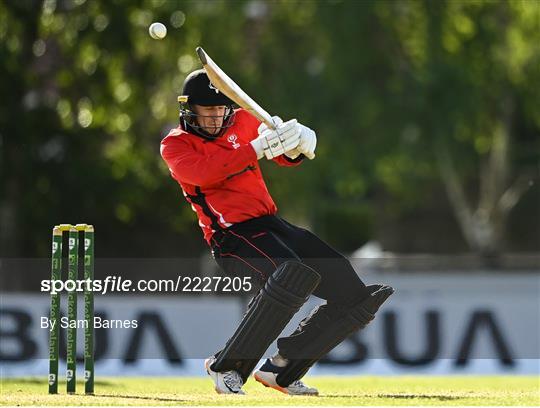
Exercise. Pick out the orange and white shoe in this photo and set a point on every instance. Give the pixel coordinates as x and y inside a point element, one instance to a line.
<point>267,375</point>
<point>226,382</point>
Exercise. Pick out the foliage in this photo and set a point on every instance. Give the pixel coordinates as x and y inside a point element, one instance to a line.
<point>387,85</point>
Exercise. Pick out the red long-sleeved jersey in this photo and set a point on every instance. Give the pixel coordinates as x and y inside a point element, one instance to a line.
<point>221,178</point>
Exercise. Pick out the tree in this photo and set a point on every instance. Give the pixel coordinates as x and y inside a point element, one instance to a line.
<point>479,63</point>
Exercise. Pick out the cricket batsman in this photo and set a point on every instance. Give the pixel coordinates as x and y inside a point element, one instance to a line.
<point>214,155</point>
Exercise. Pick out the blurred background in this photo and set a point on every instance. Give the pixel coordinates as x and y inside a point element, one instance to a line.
<point>427,113</point>
<point>428,122</point>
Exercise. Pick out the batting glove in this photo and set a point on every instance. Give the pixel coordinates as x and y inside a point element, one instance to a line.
<point>263,126</point>
<point>273,143</point>
<point>307,143</point>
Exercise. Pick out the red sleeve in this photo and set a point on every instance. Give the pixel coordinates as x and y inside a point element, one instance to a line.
<point>287,161</point>
<point>200,169</point>
<point>249,122</point>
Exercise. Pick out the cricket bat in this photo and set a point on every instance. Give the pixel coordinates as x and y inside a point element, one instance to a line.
<point>229,88</point>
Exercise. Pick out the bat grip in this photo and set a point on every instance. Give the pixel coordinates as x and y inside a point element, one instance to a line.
<point>270,124</point>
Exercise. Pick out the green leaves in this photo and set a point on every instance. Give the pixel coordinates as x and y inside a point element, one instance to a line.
<point>384,84</point>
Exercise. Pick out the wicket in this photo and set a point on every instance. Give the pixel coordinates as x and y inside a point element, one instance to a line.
<point>74,233</point>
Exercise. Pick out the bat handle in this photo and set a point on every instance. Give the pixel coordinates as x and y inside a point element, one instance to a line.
<point>270,124</point>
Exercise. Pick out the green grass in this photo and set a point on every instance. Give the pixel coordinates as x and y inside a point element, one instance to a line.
<point>334,391</point>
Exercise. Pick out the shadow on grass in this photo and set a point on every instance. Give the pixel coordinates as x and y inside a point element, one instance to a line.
<point>420,396</point>
<point>23,381</point>
<point>396,396</point>
<point>38,380</point>
<point>35,381</point>
<point>138,397</point>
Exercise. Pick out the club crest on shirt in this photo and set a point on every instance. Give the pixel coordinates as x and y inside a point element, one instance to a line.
<point>232,139</point>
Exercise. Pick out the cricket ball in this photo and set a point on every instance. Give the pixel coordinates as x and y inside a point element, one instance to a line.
<point>157,31</point>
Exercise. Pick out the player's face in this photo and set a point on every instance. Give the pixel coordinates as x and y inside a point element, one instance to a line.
<point>210,117</point>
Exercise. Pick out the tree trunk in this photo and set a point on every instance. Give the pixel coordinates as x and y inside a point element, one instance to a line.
<point>484,226</point>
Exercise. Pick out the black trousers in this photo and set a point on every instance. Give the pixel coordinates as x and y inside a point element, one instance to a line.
<point>256,247</point>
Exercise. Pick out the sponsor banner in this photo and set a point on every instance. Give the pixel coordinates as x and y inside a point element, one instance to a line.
<point>195,367</point>
<point>434,324</point>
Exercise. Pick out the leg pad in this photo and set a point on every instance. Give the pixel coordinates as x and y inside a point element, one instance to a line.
<point>326,327</point>
<point>282,296</point>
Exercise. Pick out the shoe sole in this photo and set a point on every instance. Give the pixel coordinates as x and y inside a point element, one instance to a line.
<point>281,389</point>
<point>206,366</point>
<point>275,387</point>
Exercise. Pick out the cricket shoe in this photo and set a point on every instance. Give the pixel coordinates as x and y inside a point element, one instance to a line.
<point>268,373</point>
<point>227,382</point>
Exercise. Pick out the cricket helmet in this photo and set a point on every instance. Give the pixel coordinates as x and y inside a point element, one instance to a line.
<point>198,90</point>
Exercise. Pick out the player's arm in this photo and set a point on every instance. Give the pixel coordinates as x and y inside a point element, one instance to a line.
<point>307,142</point>
<point>286,161</point>
<point>287,152</point>
<point>306,145</point>
<point>273,144</point>
<point>290,158</point>
<point>200,169</point>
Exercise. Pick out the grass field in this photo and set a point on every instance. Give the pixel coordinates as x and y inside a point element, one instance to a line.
<point>334,391</point>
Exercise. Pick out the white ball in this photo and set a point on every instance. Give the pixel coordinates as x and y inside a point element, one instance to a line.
<point>157,31</point>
